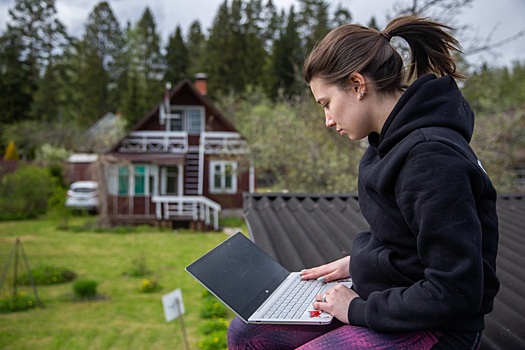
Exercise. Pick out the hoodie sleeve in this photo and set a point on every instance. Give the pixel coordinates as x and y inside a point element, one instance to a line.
<point>436,193</point>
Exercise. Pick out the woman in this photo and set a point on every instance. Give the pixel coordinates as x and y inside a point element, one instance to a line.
<point>424,275</point>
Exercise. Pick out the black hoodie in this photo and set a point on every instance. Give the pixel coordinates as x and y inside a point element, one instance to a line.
<point>428,261</point>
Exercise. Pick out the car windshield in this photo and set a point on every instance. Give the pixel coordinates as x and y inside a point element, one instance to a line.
<point>84,190</point>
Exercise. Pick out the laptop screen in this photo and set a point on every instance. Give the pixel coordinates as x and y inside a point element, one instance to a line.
<point>239,273</point>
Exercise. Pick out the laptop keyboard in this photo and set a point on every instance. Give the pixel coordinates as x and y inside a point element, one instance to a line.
<point>294,301</point>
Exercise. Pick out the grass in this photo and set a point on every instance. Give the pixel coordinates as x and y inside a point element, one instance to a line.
<point>122,317</point>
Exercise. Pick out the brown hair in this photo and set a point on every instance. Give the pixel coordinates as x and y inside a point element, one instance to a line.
<point>352,48</point>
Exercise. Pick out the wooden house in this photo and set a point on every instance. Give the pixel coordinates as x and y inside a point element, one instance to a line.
<point>183,163</point>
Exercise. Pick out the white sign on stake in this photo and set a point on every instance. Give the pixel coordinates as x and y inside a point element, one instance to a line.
<point>173,305</point>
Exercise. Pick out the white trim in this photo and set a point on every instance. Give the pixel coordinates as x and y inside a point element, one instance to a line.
<point>222,189</point>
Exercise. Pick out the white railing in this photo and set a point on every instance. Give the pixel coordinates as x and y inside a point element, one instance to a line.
<point>155,141</point>
<point>199,208</point>
<point>223,142</point>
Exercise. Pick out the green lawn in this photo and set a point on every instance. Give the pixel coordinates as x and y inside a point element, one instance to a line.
<point>123,318</point>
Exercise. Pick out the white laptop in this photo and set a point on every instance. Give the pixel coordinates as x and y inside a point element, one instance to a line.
<point>252,284</point>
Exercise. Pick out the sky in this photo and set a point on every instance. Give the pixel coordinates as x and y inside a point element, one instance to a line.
<point>486,18</point>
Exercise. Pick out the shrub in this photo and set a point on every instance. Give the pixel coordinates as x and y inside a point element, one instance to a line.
<point>85,289</point>
<point>140,268</point>
<point>24,193</point>
<point>211,307</point>
<point>20,301</point>
<point>213,325</point>
<point>214,341</point>
<point>48,275</point>
<point>149,286</point>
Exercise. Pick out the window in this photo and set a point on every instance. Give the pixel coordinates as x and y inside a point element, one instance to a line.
<point>190,119</point>
<point>123,180</point>
<point>194,118</point>
<point>136,180</point>
<point>172,180</point>
<point>223,177</point>
<point>140,179</point>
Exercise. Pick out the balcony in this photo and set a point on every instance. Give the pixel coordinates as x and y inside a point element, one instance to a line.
<point>177,142</point>
<point>223,142</point>
<point>155,142</point>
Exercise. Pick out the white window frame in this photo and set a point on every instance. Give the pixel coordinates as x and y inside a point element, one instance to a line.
<point>164,177</point>
<point>222,189</point>
<point>150,171</point>
<point>175,113</point>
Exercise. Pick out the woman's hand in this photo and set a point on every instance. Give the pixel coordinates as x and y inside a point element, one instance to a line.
<point>336,301</point>
<point>330,272</point>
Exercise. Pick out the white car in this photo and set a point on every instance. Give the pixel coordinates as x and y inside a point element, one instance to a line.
<point>83,195</point>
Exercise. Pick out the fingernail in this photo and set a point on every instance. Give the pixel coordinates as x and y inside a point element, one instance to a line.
<point>321,279</point>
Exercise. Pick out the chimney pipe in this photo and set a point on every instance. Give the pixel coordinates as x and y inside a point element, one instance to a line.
<point>201,83</point>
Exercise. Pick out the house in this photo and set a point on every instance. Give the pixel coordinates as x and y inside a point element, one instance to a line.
<point>182,164</point>
<point>305,230</point>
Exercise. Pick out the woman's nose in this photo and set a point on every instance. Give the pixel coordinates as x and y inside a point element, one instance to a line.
<point>329,122</point>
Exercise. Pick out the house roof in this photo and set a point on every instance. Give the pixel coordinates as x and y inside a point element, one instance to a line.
<point>154,112</point>
<point>305,230</point>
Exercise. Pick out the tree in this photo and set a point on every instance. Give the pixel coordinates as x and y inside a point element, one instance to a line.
<point>43,35</point>
<point>287,60</point>
<point>177,58</point>
<point>15,81</point>
<point>102,45</point>
<point>145,68</point>
<point>196,45</point>
<point>11,152</point>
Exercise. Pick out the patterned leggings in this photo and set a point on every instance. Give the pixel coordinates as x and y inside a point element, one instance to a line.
<point>338,336</point>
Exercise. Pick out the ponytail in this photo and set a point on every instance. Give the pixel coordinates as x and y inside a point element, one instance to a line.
<point>352,48</point>
<point>430,46</point>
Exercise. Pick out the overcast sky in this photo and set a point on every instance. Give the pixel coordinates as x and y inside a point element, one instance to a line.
<point>499,19</point>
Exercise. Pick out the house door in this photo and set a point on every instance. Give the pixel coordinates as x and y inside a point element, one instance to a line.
<point>171,181</point>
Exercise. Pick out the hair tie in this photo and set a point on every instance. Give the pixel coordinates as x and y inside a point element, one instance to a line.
<point>385,35</point>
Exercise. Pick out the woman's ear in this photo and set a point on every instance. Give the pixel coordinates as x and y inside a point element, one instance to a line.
<point>357,81</point>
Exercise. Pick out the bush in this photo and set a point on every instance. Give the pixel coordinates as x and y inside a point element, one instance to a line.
<point>214,341</point>
<point>20,301</point>
<point>149,286</point>
<point>211,307</point>
<point>85,289</point>
<point>45,275</point>
<point>24,193</point>
<point>139,269</point>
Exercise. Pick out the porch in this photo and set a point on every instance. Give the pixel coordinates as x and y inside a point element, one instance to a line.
<point>195,208</point>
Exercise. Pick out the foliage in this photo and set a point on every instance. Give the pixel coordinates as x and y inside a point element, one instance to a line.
<point>215,326</point>
<point>211,307</point>
<point>45,275</point>
<point>149,286</point>
<point>140,268</point>
<point>24,193</point>
<point>21,301</point>
<point>85,289</point>
<point>49,154</point>
<point>303,155</point>
<point>11,152</point>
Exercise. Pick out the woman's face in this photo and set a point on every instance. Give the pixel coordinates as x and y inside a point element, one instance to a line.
<point>344,109</point>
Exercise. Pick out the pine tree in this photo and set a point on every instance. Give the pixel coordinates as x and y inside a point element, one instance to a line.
<point>11,153</point>
<point>196,45</point>
<point>177,58</point>
<point>15,82</point>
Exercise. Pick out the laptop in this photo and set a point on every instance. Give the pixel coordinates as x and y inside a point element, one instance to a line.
<point>251,284</point>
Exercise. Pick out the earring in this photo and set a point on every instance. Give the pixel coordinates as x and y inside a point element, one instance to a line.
<point>362,94</point>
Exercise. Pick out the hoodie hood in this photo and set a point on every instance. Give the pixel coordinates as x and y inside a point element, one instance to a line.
<point>428,102</point>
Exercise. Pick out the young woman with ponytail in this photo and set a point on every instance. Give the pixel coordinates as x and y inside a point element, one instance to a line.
<point>424,274</point>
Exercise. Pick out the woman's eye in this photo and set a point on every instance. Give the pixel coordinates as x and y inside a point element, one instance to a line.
<point>325,106</point>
